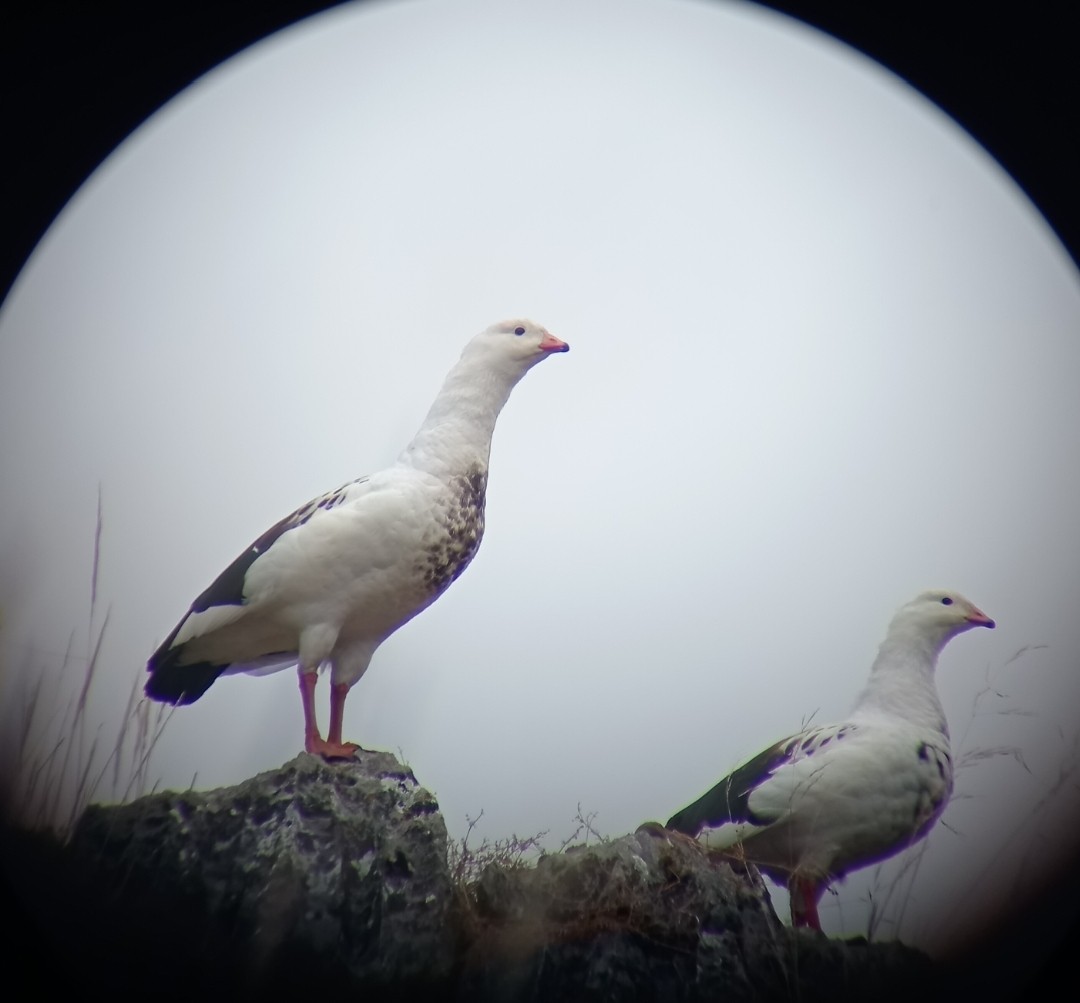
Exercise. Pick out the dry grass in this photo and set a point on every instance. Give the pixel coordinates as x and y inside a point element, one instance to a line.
<point>467,862</point>
<point>513,852</point>
<point>56,762</point>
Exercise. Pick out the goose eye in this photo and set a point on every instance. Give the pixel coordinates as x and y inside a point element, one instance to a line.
<point>519,330</point>
<point>946,601</point>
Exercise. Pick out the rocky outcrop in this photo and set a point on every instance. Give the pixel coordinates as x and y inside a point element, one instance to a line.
<point>649,917</point>
<point>321,878</point>
<point>312,877</point>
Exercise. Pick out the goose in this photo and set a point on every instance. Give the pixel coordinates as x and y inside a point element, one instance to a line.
<point>833,798</point>
<point>329,583</point>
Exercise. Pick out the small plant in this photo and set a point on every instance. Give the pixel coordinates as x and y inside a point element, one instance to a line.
<point>468,863</point>
<point>513,852</point>
<point>585,826</point>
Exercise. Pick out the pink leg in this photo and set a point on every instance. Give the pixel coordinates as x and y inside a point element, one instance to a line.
<point>333,747</point>
<point>312,738</point>
<point>804,899</point>
<point>338,692</point>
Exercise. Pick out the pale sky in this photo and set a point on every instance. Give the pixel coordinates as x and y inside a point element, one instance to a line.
<point>823,355</point>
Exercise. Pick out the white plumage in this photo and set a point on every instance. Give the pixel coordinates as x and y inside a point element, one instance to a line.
<point>330,582</point>
<point>831,799</point>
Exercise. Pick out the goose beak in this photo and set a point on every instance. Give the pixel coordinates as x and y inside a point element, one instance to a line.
<point>978,618</point>
<point>549,343</point>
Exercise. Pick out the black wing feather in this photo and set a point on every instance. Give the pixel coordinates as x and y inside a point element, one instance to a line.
<point>172,682</point>
<point>728,800</point>
<point>228,588</point>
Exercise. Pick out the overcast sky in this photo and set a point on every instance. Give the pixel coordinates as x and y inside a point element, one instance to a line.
<point>823,355</point>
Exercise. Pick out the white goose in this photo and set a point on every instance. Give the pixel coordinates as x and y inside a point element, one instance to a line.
<point>831,799</point>
<point>329,583</point>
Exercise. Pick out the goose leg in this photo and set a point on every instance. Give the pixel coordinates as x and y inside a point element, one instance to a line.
<point>804,900</point>
<point>338,692</point>
<point>332,748</point>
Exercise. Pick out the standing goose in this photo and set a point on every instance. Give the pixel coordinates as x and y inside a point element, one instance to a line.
<point>836,798</point>
<point>329,583</point>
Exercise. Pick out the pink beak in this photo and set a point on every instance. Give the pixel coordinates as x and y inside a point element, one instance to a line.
<point>549,343</point>
<point>979,618</point>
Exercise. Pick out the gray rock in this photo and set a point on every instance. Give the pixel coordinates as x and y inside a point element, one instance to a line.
<point>313,875</point>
